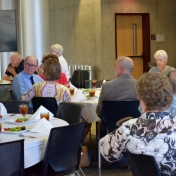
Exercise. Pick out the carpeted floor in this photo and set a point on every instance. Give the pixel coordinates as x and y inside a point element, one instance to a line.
<point>105,169</point>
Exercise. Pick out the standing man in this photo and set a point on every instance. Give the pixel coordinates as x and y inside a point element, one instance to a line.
<point>25,79</point>
<point>122,88</point>
<point>58,50</point>
<point>16,66</point>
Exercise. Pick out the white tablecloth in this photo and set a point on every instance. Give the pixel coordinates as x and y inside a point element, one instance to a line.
<point>89,109</point>
<point>34,148</point>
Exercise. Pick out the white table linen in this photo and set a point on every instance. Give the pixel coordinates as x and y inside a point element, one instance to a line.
<point>34,148</point>
<point>89,109</point>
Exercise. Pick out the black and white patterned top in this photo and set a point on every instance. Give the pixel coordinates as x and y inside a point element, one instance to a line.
<point>151,134</point>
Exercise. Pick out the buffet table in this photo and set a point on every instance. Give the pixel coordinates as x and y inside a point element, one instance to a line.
<point>34,148</point>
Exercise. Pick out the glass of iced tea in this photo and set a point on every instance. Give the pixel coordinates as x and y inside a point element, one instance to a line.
<point>23,108</point>
<point>45,115</point>
<point>94,83</point>
<point>92,93</point>
<point>71,91</point>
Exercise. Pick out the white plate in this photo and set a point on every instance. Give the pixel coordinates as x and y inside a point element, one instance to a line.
<point>15,132</point>
<point>4,117</point>
<point>22,123</point>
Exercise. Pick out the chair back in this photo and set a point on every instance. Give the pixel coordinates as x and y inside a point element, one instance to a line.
<point>63,149</point>
<point>112,111</point>
<point>49,103</point>
<point>13,105</point>
<point>143,165</point>
<point>88,83</point>
<point>4,92</point>
<point>79,77</point>
<point>70,112</point>
<point>12,158</point>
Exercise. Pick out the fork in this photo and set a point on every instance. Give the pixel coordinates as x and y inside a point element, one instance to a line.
<point>21,135</point>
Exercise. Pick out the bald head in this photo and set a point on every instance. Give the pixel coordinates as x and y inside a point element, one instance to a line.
<point>123,65</point>
<point>30,64</point>
<point>15,59</point>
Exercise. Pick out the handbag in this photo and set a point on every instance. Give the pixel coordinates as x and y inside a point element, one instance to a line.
<point>85,158</point>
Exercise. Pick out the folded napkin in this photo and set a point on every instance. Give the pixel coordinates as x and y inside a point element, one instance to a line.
<point>104,81</point>
<point>43,126</point>
<point>78,96</point>
<point>3,110</point>
<point>41,109</point>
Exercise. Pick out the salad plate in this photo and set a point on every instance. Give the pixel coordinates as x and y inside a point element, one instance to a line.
<point>14,132</point>
<point>3,117</point>
<point>21,122</point>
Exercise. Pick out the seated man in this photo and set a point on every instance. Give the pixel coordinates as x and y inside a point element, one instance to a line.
<point>172,79</point>
<point>25,79</point>
<point>16,66</point>
<point>122,88</point>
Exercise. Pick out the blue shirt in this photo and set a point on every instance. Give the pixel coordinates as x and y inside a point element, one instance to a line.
<point>172,108</point>
<point>22,83</point>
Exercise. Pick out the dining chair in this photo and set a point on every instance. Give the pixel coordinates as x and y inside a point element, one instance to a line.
<point>63,152</point>
<point>4,92</point>
<point>88,83</point>
<point>49,103</point>
<point>70,112</point>
<point>143,165</point>
<point>12,158</point>
<point>13,106</point>
<point>112,111</point>
<point>79,77</point>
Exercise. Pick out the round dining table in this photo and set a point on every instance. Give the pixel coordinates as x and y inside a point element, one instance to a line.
<point>34,147</point>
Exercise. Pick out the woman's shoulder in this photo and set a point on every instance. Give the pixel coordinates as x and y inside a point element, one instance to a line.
<point>154,69</point>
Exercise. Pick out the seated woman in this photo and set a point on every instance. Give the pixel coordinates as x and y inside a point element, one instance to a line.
<point>62,80</point>
<point>50,87</point>
<point>153,133</point>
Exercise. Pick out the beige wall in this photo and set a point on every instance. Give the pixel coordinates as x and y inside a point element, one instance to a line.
<point>86,29</point>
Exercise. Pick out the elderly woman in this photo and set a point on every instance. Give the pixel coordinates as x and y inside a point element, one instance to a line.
<point>50,87</point>
<point>161,59</point>
<point>153,133</point>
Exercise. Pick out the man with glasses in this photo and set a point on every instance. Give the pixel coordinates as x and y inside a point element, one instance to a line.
<point>25,79</point>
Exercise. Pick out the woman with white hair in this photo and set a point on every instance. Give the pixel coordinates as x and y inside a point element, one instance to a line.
<point>161,59</point>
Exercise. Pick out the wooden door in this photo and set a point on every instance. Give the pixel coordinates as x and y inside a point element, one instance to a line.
<point>129,40</point>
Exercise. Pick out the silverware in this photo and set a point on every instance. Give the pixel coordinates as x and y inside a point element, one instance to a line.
<point>12,114</point>
<point>21,135</point>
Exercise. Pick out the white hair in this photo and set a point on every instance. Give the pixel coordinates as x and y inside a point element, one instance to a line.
<point>58,48</point>
<point>161,53</point>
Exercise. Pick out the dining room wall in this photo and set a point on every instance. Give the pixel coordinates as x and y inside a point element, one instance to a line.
<point>86,29</point>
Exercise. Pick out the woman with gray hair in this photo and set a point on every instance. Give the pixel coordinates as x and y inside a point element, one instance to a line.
<point>161,59</point>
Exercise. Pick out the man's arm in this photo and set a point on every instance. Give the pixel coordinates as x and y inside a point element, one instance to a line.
<point>99,106</point>
<point>6,77</point>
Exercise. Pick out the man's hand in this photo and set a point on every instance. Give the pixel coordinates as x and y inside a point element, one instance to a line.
<point>11,70</point>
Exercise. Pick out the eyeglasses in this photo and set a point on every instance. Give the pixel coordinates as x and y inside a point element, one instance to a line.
<point>29,65</point>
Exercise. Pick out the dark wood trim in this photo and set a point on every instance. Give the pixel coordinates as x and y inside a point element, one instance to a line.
<point>145,35</point>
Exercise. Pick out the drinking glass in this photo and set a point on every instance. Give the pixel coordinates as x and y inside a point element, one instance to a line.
<point>0,127</point>
<point>71,91</point>
<point>44,115</point>
<point>92,93</point>
<point>94,83</point>
<point>23,108</point>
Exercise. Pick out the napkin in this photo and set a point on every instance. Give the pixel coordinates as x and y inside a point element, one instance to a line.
<point>104,81</point>
<point>78,96</point>
<point>41,109</point>
<point>3,110</point>
<point>43,126</point>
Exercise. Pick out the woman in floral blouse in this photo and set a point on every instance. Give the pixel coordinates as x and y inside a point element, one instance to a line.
<point>153,133</point>
<point>50,87</point>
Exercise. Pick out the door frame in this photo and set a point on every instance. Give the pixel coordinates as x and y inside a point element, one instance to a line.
<point>145,37</point>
